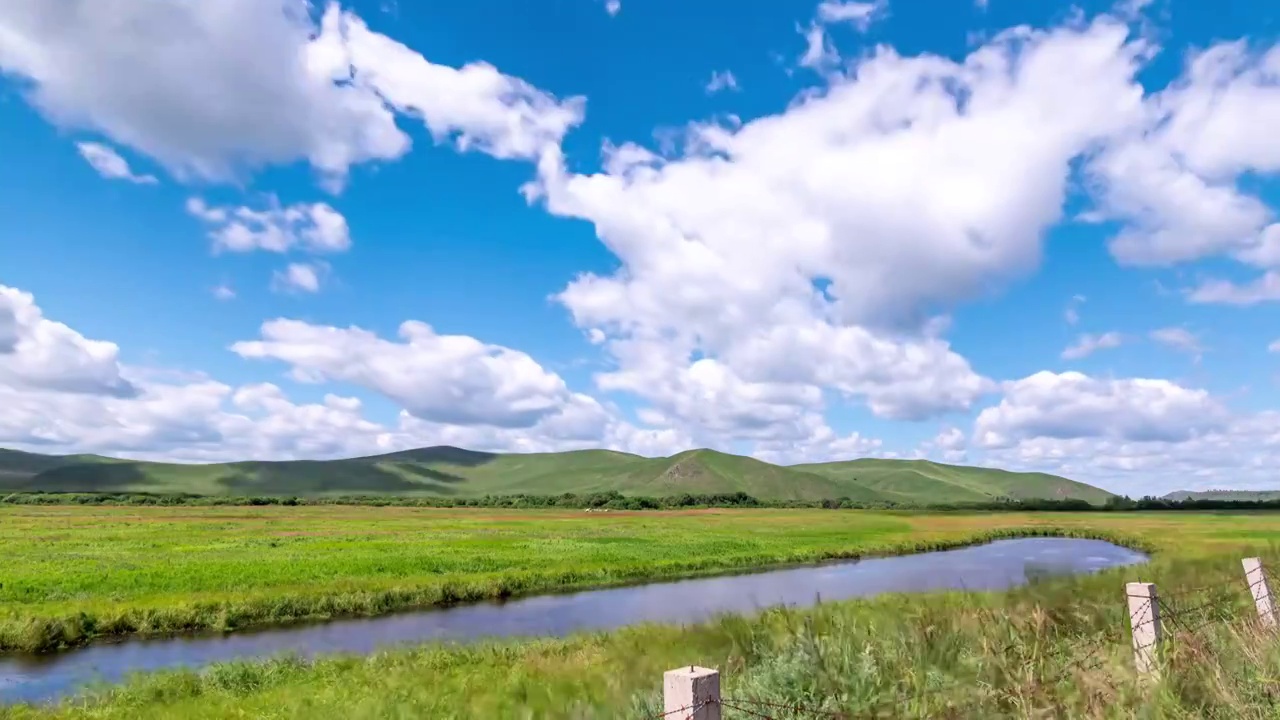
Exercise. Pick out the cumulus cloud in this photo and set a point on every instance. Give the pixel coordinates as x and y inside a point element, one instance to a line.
<point>1071,405</point>
<point>224,292</point>
<point>1273,347</point>
<point>39,354</point>
<point>64,393</point>
<point>300,277</point>
<point>440,378</point>
<point>1172,178</point>
<point>110,165</point>
<point>809,249</point>
<point>187,84</point>
<point>818,442</point>
<point>314,227</point>
<point>1225,292</point>
<point>950,445</point>
<point>1241,453</point>
<point>1087,344</point>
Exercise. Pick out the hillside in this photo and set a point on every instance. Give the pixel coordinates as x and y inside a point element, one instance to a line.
<point>925,480</point>
<point>1225,495</point>
<point>449,471</point>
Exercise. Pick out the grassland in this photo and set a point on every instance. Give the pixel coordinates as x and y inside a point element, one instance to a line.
<point>1016,654</point>
<point>74,573</point>
<point>453,472</point>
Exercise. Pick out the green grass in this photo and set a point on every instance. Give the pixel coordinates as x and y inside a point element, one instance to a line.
<point>1057,648</point>
<point>452,472</point>
<point>73,573</point>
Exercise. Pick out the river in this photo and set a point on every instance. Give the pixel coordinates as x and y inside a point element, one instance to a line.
<point>992,566</point>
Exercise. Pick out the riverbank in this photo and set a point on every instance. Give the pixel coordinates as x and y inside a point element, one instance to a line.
<point>76,574</point>
<point>1058,648</point>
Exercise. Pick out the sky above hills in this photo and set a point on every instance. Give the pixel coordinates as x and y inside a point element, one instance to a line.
<point>1026,234</point>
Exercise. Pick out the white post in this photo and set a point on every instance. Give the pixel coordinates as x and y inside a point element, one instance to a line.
<point>1257,579</point>
<point>691,693</point>
<point>1144,617</point>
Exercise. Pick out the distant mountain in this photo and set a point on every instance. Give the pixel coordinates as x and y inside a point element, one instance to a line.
<point>1225,495</point>
<point>451,471</point>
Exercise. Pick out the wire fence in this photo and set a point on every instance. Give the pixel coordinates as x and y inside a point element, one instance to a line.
<point>1155,619</point>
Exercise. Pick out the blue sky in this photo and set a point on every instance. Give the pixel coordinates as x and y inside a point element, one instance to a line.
<point>1034,235</point>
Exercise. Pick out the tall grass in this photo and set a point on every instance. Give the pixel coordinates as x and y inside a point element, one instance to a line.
<point>1056,648</point>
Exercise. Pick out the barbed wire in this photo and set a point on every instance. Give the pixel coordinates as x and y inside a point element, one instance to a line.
<point>690,709</point>
<point>1165,608</point>
<point>793,707</point>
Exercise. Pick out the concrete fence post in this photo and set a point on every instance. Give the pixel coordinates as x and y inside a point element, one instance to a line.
<point>691,693</point>
<point>1256,576</point>
<point>1144,618</point>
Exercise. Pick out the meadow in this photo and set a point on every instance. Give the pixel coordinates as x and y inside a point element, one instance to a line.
<point>75,572</point>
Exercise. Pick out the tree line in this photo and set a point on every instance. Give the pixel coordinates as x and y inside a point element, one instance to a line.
<point>617,501</point>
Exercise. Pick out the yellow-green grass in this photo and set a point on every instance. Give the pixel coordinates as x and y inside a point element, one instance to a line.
<point>73,573</point>
<point>1057,648</point>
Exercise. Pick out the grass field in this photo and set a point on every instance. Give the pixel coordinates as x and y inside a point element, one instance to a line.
<point>72,573</point>
<point>453,472</point>
<point>943,655</point>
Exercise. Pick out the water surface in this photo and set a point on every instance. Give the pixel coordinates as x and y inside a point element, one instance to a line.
<point>993,566</point>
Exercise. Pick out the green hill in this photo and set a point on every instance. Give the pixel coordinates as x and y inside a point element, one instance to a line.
<point>928,481</point>
<point>450,471</point>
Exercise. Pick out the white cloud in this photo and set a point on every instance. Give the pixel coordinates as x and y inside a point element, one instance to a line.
<point>949,445</point>
<point>1173,177</point>
<point>804,252</point>
<point>300,277</point>
<point>315,227</point>
<point>818,443</point>
<point>188,85</point>
<point>721,80</point>
<point>110,165</point>
<point>1225,292</point>
<point>819,52</point>
<point>1070,405</point>
<point>452,379</point>
<point>1274,347</point>
<point>1087,344</point>
<point>860,15</point>
<point>39,354</point>
<point>613,7</point>
<point>1179,339</point>
<point>224,292</point>
<point>64,393</point>
<point>1240,454</point>
<point>476,106</point>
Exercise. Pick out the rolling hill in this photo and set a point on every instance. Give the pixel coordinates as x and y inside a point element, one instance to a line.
<point>450,471</point>
<point>917,480</point>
